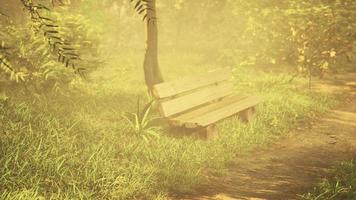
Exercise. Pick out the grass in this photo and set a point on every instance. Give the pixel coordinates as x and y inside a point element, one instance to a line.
<point>341,185</point>
<point>75,145</point>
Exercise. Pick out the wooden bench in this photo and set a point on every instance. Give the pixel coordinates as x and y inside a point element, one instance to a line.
<point>198,102</point>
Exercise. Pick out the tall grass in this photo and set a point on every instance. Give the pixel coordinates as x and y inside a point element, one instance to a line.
<point>76,146</point>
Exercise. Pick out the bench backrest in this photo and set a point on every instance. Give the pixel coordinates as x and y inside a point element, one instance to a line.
<point>190,92</point>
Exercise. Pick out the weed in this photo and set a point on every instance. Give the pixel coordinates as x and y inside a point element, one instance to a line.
<point>140,122</point>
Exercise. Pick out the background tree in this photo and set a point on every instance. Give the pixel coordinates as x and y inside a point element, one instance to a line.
<point>222,33</point>
<point>152,71</point>
<point>147,9</point>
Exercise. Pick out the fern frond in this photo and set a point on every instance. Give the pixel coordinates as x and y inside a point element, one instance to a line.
<point>59,2</point>
<point>1,13</point>
<point>64,51</point>
<point>6,67</point>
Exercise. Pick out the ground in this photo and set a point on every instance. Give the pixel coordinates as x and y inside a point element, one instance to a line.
<point>295,163</point>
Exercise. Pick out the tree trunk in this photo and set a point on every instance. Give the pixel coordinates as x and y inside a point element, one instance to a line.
<point>151,68</point>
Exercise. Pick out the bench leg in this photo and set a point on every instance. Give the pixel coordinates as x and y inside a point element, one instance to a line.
<point>209,132</point>
<point>248,114</point>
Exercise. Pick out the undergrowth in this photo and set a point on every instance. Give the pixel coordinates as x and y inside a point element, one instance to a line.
<point>77,146</point>
<point>341,185</point>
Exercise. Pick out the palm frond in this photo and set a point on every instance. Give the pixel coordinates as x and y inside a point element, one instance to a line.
<point>142,7</point>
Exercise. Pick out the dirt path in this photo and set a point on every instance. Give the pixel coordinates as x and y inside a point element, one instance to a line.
<point>296,162</point>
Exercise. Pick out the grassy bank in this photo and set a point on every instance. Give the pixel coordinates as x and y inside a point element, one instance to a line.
<point>75,145</point>
<point>341,185</point>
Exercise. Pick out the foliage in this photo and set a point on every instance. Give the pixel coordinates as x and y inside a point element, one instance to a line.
<point>5,65</point>
<point>31,58</point>
<point>142,7</point>
<point>340,186</point>
<point>30,55</point>
<point>64,51</point>
<point>314,36</point>
<point>84,35</point>
<point>322,32</point>
<point>310,34</point>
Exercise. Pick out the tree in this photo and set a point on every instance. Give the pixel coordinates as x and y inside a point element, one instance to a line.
<point>152,71</point>
<point>151,68</point>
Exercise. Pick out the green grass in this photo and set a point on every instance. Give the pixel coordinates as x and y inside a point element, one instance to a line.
<point>341,185</point>
<point>75,144</point>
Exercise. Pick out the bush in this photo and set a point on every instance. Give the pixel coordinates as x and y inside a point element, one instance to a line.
<point>28,57</point>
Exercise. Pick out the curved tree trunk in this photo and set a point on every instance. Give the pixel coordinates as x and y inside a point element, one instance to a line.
<point>151,68</point>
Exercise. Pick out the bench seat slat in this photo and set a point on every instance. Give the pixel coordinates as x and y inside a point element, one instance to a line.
<point>181,119</point>
<point>215,112</point>
<point>168,89</point>
<point>189,101</point>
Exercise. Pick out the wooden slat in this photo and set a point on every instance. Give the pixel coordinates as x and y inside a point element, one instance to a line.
<point>186,102</point>
<point>225,111</point>
<point>168,89</point>
<point>181,119</point>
